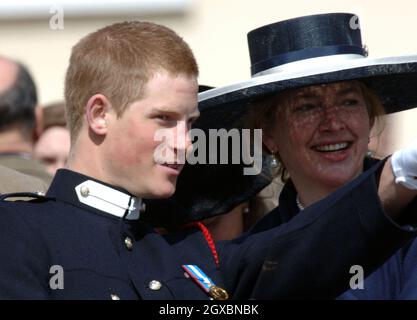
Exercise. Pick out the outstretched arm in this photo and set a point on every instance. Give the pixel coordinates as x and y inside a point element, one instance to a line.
<point>337,240</point>
<point>398,184</point>
<point>311,255</point>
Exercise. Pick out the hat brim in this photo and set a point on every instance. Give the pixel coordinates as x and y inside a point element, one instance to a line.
<point>393,79</point>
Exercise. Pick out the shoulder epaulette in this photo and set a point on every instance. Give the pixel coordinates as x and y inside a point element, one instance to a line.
<point>24,196</point>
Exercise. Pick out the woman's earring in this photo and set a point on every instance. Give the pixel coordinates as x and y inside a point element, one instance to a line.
<point>274,161</point>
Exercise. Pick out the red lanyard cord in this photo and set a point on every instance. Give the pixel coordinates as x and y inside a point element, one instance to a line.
<point>209,239</point>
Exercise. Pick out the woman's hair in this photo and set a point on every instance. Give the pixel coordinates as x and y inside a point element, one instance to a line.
<point>261,115</point>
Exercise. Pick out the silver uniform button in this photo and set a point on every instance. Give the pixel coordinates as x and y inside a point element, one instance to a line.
<point>84,191</point>
<point>114,297</point>
<point>155,285</point>
<point>128,243</point>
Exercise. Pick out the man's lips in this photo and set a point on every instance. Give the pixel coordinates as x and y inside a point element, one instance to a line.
<point>173,166</point>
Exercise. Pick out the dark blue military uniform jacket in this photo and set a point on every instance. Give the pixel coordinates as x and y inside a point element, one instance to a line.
<point>106,257</point>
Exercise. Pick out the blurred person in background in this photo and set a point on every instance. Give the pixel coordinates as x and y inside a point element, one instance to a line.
<point>20,120</point>
<point>12,181</point>
<point>53,146</point>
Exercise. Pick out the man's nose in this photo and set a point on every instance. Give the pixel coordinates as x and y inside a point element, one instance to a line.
<point>182,142</point>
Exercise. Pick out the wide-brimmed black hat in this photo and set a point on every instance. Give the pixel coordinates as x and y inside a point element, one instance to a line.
<point>290,54</point>
<point>306,51</point>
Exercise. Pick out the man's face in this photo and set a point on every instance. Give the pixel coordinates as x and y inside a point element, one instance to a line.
<point>137,159</point>
<point>53,148</point>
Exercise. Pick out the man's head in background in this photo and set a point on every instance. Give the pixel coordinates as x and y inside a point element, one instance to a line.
<point>53,145</point>
<point>20,117</point>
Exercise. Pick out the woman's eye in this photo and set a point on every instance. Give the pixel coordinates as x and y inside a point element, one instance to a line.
<point>305,107</point>
<point>350,102</point>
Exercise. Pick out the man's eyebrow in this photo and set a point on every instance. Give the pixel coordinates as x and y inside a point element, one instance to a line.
<point>163,109</point>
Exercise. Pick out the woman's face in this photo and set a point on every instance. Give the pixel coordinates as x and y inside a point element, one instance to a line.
<point>321,134</point>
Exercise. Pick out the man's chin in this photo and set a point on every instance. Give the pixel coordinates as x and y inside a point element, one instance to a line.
<point>162,192</point>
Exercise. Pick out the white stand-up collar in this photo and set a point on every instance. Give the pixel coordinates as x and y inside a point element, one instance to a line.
<point>109,200</point>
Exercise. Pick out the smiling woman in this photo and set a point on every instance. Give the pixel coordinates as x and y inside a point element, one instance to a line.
<point>319,133</point>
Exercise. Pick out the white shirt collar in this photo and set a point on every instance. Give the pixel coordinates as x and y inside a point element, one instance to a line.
<point>109,200</point>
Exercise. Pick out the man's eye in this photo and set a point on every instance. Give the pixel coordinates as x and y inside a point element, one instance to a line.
<point>49,160</point>
<point>163,117</point>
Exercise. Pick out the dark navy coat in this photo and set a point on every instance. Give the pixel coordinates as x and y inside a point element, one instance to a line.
<point>99,263</point>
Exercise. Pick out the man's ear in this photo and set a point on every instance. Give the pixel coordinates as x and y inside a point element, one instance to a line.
<point>38,123</point>
<point>97,113</point>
